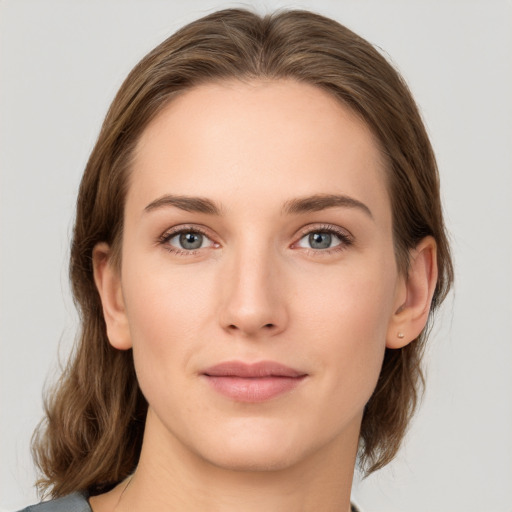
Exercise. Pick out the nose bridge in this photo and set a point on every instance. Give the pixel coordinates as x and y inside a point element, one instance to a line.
<point>253,294</point>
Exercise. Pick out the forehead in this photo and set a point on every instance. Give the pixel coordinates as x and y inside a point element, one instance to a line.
<point>237,139</point>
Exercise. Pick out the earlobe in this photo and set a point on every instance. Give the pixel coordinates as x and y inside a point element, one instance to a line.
<point>411,315</point>
<point>108,283</point>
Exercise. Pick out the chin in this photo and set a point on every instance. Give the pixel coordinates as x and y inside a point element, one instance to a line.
<point>255,449</point>
<point>249,459</point>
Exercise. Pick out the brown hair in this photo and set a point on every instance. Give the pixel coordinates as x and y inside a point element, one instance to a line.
<point>91,438</point>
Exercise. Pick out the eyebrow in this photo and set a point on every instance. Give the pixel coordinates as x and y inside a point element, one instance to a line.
<point>187,203</point>
<point>314,203</point>
<point>320,202</point>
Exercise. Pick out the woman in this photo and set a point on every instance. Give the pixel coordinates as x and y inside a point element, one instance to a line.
<point>258,248</point>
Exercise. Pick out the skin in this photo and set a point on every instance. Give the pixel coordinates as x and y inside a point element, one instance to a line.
<point>256,290</point>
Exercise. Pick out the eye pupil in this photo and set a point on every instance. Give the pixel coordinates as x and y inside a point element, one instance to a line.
<point>191,240</point>
<point>320,240</point>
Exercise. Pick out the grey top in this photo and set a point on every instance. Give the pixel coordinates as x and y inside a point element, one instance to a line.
<point>76,502</point>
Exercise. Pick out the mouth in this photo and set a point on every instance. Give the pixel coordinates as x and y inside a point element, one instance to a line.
<point>255,382</point>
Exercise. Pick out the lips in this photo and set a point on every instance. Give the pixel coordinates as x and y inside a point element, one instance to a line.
<point>256,382</point>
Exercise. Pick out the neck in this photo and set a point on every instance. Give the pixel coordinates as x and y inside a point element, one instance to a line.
<point>169,476</point>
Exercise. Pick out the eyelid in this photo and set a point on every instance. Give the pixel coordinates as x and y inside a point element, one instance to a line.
<point>346,238</point>
<point>170,233</point>
<point>331,228</point>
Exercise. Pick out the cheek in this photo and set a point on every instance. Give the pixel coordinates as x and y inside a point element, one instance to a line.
<point>166,314</point>
<point>346,321</point>
<point>355,301</point>
<point>165,303</point>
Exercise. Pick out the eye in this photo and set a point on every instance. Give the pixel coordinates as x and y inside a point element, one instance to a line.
<point>319,240</point>
<point>325,239</point>
<point>186,240</point>
<point>189,241</point>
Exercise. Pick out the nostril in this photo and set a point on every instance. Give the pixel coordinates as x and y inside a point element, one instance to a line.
<point>233,327</point>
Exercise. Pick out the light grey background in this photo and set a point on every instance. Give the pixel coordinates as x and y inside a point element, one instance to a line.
<point>60,65</point>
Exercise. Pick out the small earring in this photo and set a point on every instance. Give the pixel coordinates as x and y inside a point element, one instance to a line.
<point>400,335</point>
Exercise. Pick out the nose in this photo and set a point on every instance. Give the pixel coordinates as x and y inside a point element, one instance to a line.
<point>253,291</point>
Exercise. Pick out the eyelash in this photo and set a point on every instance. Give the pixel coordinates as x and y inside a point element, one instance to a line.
<point>168,235</point>
<point>346,240</point>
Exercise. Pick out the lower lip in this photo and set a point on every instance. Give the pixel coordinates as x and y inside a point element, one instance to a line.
<point>258,389</point>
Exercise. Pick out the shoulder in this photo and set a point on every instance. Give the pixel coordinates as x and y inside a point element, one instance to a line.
<point>76,502</point>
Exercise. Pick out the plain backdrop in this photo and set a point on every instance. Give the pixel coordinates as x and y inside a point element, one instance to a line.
<point>61,63</point>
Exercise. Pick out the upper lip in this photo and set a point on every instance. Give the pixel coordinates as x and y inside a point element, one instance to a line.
<point>252,370</point>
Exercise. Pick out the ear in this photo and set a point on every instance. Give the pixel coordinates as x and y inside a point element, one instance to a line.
<point>414,295</point>
<point>108,283</point>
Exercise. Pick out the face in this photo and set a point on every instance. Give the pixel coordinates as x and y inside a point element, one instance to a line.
<point>258,278</point>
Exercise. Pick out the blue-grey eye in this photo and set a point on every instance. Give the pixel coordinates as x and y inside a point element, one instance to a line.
<point>319,240</point>
<point>191,241</point>
<point>188,240</point>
